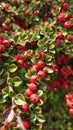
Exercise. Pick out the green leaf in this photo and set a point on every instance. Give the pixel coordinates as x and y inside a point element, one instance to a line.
<point>19,99</point>
<point>17,81</point>
<point>71,21</point>
<point>11,94</point>
<point>1,98</point>
<point>33,118</point>
<point>12,68</point>
<point>49,70</point>
<point>16,38</point>
<point>40,93</point>
<point>52,46</point>
<point>11,59</point>
<point>41,119</point>
<point>5,92</point>
<point>15,27</point>
<point>2,81</point>
<point>1,71</point>
<point>30,36</point>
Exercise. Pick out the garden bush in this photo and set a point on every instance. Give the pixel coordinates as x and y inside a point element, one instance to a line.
<point>36,65</point>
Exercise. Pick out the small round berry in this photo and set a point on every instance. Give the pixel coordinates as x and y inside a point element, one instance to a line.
<point>34,98</point>
<point>26,124</point>
<point>40,64</point>
<point>70,37</point>
<point>4,128</point>
<point>36,13</point>
<point>65,6</point>
<point>67,24</point>
<point>33,79</point>
<point>60,35</point>
<point>41,74</point>
<point>28,92</point>
<point>71,111</point>
<point>4,6</point>
<point>24,108</point>
<point>32,86</point>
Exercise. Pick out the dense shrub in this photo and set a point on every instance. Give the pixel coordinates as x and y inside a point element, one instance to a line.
<point>36,58</point>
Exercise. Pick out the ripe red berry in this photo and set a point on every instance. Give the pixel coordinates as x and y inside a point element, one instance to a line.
<point>34,67</point>
<point>68,16</point>
<point>4,128</point>
<point>60,35</point>
<point>26,124</point>
<point>61,18</point>
<point>70,37</point>
<point>34,98</point>
<point>4,6</point>
<point>49,87</point>
<point>2,48</point>
<point>27,13</point>
<point>65,6</point>
<point>71,111</point>
<point>58,42</point>
<point>69,96</point>
<point>32,86</point>
<point>15,1</point>
<point>28,92</point>
<point>24,108</point>
<point>36,13</point>
<point>33,79</point>
<point>41,74</point>
<point>45,69</point>
<point>67,24</point>
<point>40,64</point>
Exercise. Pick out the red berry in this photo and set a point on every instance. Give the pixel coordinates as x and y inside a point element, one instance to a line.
<point>36,13</point>
<point>49,88</point>
<point>15,1</point>
<point>6,124</point>
<point>26,124</point>
<point>4,128</point>
<point>61,18</point>
<point>4,6</point>
<point>24,108</point>
<point>41,74</point>
<point>1,41</point>
<point>71,111</point>
<point>70,37</point>
<point>58,42</point>
<point>45,69</point>
<point>67,24</point>
<point>50,13</point>
<point>32,86</point>
<point>65,6</point>
<point>26,1</point>
<point>33,78</point>
<point>34,67</point>
<point>60,35</point>
<point>68,16</point>
<point>40,64</point>
<point>28,92</point>
<point>34,98</point>
<point>2,48</point>
<point>69,96</point>
<point>27,13</point>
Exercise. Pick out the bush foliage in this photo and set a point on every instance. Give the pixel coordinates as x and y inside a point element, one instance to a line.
<point>36,58</point>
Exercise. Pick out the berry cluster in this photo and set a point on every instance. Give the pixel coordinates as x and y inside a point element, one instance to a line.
<point>4,44</point>
<point>69,102</point>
